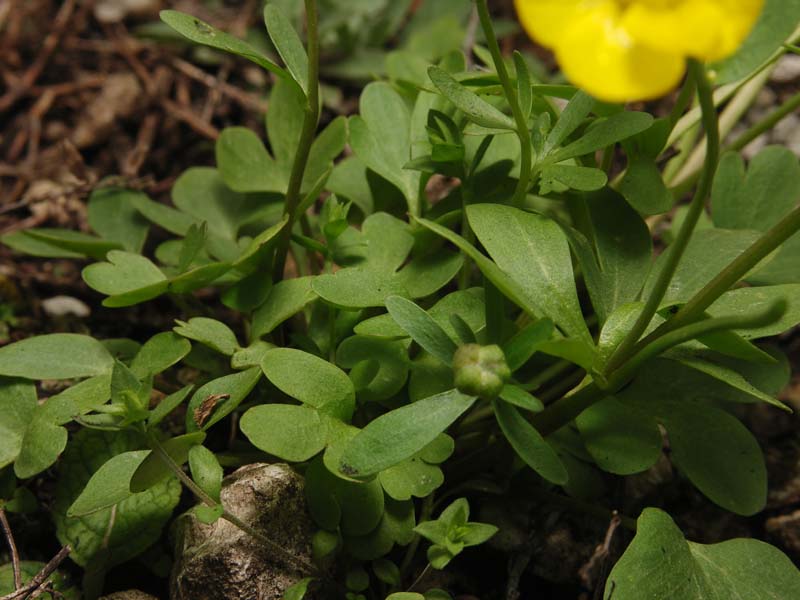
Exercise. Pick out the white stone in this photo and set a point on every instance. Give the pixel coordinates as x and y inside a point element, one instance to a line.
<point>787,69</point>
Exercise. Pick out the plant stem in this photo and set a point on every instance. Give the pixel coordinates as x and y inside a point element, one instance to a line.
<point>510,91</point>
<point>767,123</point>
<point>730,275</point>
<point>555,416</point>
<point>692,331</point>
<point>12,548</point>
<point>675,252</point>
<point>310,120</point>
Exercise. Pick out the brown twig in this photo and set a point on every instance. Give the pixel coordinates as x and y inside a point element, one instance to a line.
<point>40,578</point>
<point>12,546</point>
<point>192,120</point>
<point>233,92</point>
<point>23,85</point>
<point>144,142</point>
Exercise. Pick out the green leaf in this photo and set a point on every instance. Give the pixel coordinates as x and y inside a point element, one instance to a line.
<point>109,485</point>
<point>164,216</point>
<point>159,353</point>
<point>288,44</point>
<point>749,300</point>
<point>476,109</point>
<point>202,193</point>
<point>617,253</point>
<point>226,393</point>
<point>412,477</point>
<point>524,344</point>
<point>524,90</point>
<point>112,214</point>
<point>757,199</point>
<point>153,470</point>
<point>298,590</point>
<point>209,332</point>
<point>532,250</point>
<point>422,328</point>
<point>17,405</point>
<point>202,33</point>
<point>585,179</point>
<point>28,570</point>
<point>126,278</point>
<point>73,241</point>
<point>117,534</point>
<point>55,356</point>
<point>42,444</point>
<point>244,163</point>
<point>206,470</point>
<point>25,244</point>
<point>572,117</point>
<point>622,440</point>
<point>284,300</point>
<point>518,397</point>
<point>167,405</point>
<point>380,138</point>
<point>778,21</point>
<point>708,252</point>
<point>389,357</point>
<point>311,380</point>
<point>661,565</point>
<point>603,133</point>
<point>401,433</point>
<point>708,362</point>
<point>529,444</point>
<point>644,188</point>
<point>709,445</point>
<point>293,433</point>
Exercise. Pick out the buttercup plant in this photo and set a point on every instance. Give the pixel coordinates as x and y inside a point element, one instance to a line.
<point>518,336</point>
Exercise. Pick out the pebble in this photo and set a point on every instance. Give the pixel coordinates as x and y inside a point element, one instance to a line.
<point>787,70</point>
<point>59,306</point>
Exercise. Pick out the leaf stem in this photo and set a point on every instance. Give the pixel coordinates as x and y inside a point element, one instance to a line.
<point>523,133</point>
<point>689,332</point>
<point>730,275</point>
<point>310,120</point>
<point>675,252</point>
<point>767,123</point>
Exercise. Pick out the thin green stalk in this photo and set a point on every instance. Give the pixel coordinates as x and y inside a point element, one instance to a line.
<point>510,92</point>
<point>555,416</point>
<point>310,120</point>
<point>673,257</point>
<point>689,332</point>
<point>767,123</point>
<point>730,275</point>
<point>425,514</point>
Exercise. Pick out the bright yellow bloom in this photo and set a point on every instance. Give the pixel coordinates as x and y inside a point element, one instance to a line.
<point>620,50</point>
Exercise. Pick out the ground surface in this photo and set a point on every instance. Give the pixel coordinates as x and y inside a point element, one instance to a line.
<point>83,100</point>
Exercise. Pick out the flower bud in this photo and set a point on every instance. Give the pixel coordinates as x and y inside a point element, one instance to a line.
<point>480,370</point>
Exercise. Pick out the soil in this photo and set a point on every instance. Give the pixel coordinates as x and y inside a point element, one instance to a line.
<point>85,103</point>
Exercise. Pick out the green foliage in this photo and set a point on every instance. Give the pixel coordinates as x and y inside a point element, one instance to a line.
<point>661,561</point>
<point>507,333</point>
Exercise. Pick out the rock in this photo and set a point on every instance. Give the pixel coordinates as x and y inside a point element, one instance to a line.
<point>784,530</point>
<point>786,129</point>
<point>787,70</point>
<point>114,11</point>
<point>59,306</point>
<point>221,562</point>
<point>119,98</point>
<point>129,595</point>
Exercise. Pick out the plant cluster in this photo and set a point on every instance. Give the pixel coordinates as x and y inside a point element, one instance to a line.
<point>388,339</point>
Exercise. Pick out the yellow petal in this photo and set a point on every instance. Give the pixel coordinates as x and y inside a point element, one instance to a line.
<point>547,20</point>
<point>598,55</point>
<point>703,29</point>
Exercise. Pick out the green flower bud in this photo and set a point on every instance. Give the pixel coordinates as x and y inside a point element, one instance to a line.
<point>480,370</point>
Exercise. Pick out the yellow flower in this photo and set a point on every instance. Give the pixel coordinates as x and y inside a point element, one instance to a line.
<point>620,50</point>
